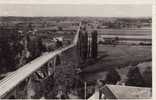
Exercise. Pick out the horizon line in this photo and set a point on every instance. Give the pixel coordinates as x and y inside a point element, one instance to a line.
<point>85,16</point>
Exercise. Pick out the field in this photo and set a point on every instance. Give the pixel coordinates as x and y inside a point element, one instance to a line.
<point>123,31</point>
<point>118,56</point>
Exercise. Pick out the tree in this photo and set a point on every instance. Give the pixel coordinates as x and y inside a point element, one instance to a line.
<point>60,28</point>
<point>134,77</point>
<point>58,43</point>
<point>147,74</point>
<point>84,44</point>
<point>112,77</point>
<point>41,47</point>
<point>94,45</point>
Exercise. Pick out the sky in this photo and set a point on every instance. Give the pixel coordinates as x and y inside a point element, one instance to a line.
<point>50,10</point>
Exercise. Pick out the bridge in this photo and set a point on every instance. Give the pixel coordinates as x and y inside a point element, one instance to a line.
<point>37,78</point>
<point>9,85</point>
<point>18,84</point>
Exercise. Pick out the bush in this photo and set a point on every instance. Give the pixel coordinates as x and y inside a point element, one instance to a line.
<point>134,77</point>
<point>112,77</point>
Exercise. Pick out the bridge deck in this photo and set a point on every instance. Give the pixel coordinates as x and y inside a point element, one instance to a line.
<point>16,77</point>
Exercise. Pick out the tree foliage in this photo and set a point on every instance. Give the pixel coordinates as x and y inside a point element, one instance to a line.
<point>134,77</point>
<point>94,45</point>
<point>112,77</point>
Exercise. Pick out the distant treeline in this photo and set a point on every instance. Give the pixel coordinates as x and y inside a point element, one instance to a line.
<point>103,22</point>
<point>128,23</point>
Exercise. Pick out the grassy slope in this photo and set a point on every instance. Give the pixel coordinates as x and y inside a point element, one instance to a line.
<point>119,56</point>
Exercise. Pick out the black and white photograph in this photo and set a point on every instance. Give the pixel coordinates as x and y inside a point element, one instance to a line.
<point>69,51</point>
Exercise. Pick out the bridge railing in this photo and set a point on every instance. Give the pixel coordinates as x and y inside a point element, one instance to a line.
<point>18,84</point>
